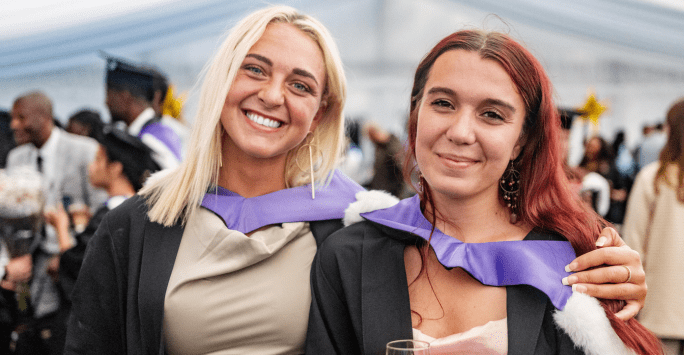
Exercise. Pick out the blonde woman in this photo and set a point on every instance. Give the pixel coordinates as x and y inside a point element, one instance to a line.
<point>217,253</point>
<point>228,270</point>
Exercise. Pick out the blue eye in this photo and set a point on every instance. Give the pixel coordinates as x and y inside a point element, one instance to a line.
<point>301,87</point>
<point>254,69</point>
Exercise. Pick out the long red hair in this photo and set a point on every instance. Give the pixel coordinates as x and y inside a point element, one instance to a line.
<point>546,200</point>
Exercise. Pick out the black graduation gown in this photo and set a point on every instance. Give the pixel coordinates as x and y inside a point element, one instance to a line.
<point>361,301</point>
<point>118,300</point>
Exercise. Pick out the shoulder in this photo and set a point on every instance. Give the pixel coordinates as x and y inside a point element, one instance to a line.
<point>649,171</point>
<point>78,146</point>
<point>344,243</point>
<point>130,213</point>
<point>77,140</point>
<point>17,154</point>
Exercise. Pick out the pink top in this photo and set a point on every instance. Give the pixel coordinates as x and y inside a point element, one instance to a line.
<point>488,339</point>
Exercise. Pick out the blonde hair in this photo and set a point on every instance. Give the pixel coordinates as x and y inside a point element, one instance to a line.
<point>174,196</point>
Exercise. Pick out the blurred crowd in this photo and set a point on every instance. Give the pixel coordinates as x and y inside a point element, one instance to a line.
<point>58,180</point>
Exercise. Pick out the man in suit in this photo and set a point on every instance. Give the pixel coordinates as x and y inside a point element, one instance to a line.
<point>130,92</point>
<point>62,159</point>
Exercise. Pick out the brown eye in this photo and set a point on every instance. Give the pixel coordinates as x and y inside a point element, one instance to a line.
<point>441,103</point>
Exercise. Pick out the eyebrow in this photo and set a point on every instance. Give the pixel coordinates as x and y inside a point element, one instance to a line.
<point>296,71</point>
<point>447,91</point>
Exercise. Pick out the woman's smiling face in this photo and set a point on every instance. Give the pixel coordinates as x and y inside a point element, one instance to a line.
<point>275,99</point>
<point>470,120</point>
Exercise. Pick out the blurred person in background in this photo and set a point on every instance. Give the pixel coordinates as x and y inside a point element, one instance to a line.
<point>62,159</point>
<point>85,123</point>
<point>169,107</point>
<point>593,189</point>
<point>21,218</point>
<point>389,153</point>
<point>121,166</point>
<point>599,158</point>
<point>130,92</point>
<point>654,227</point>
<point>649,149</point>
<point>354,163</point>
<point>6,137</point>
<point>622,180</point>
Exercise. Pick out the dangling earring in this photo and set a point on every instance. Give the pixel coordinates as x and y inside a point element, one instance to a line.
<point>510,185</point>
<point>311,164</point>
<point>421,182</point>
<point>311,170</point>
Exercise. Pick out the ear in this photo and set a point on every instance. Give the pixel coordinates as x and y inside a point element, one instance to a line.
<point>322,109</point>
<point>115,169</point>
<point>519,146</point>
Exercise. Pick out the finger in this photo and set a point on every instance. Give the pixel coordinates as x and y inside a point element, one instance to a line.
<point>608,255</point>
<point>8,285</point>
<point>609,237</point>
<point>629,311</point>
<point>625,291</point>
<point>605,274</point>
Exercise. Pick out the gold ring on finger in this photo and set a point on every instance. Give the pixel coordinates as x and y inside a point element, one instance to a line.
<point>629,273</point>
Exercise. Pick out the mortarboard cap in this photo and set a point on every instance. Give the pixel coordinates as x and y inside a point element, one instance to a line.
<point>131,152</point>
<point>123,75</point>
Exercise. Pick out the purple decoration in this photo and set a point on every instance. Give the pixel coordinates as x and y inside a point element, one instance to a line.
<point>538,263</point>
<point>288,205</point>
<point>165,135</point>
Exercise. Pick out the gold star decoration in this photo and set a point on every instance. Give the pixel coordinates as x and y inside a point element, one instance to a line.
<point>173,105</point>
<point>592,110</point>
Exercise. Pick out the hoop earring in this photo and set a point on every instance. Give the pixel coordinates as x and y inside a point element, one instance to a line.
<point>311,164</point>
<point>510,185</point>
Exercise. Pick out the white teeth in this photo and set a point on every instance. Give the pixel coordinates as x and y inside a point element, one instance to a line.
<point>262,120</point>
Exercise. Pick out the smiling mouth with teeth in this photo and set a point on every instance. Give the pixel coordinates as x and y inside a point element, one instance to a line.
<point>263,121</point>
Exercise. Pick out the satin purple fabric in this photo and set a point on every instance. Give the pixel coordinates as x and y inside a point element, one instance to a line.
<point>288,205</point>
<point>164,134</point>
<point>538,263</point>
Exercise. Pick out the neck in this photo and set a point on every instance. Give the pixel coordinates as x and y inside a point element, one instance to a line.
<point>249,176</point>
<point>46,133</point>
<point>475,220</point>
<point>120,187</point>
<point>134,111</point>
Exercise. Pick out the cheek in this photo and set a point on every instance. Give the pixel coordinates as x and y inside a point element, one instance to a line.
<point>304,112</point>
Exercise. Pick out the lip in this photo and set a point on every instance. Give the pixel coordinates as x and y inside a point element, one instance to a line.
<point>258,126</point>
<point>457,160</point>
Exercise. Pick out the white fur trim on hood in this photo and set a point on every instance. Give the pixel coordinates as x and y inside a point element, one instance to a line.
<point>367,201</point>
<point>585,321</point>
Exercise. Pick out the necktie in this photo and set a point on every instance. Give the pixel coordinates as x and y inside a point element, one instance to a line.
<point>39,162</point>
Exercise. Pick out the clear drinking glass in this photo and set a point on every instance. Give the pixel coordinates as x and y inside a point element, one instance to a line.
<point>408,347</point>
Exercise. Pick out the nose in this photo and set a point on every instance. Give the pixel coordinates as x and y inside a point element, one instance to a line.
<point>14,123</point>
<point>462,128</point>
<point>271,94</point>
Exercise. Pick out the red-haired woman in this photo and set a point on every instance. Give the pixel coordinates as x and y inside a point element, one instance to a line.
<point>653,226</point>
<point>473,263</point>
